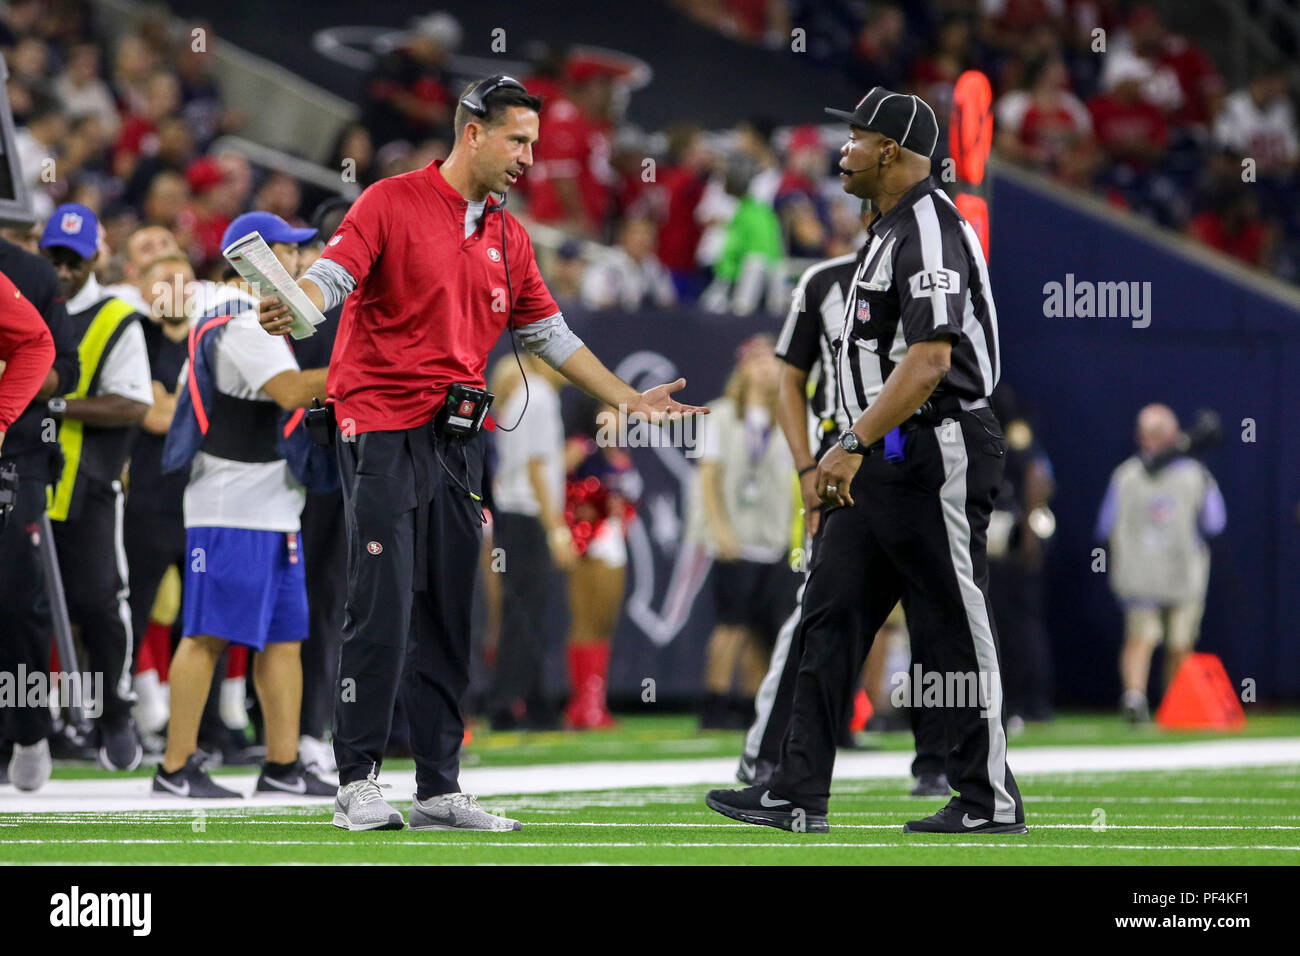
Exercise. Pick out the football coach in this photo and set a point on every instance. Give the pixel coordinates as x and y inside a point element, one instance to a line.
<point>909,488</point>
<point>431,269</point>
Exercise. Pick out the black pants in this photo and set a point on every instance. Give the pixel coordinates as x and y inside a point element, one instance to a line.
<point>1023,636</point>
<point>413,546</point>
<point>26,628</point>
<point>525,608</point>
<point>92,560</point>
<point>155,541</point>
<point>775,701</point>
<point>916,531</point>
<point>324,542</point>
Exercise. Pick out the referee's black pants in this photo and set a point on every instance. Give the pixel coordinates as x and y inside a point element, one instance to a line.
<point>916,531</point>
<point>413,539</point>
<point>775,700</point>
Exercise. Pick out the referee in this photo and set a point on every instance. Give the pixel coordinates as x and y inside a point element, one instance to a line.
<point>431,269</point>
<point>909,488</point>
<point>806,410</point>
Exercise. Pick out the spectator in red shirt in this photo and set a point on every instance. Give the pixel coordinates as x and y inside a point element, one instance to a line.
<point>1132,132</point>
<point>571,185</point>
<point>1199,83</point>
<point>208,214</point>
<point>804,213</point>
<point>1046,126</point>
<point>1234,227</point>
<point>139,135</point>
<point>407,96</point>
<point>431,269</point>
<point>690,163</point>
<point>26,353</point>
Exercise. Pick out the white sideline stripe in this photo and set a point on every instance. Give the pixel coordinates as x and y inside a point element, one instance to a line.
<point>181,820</point>
<point>801,843</point>
<point>112,794</point>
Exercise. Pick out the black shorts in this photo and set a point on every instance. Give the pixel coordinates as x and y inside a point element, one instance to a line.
<point>754,594</point>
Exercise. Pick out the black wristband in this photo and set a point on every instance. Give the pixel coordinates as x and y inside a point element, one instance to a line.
<point>805,470</point>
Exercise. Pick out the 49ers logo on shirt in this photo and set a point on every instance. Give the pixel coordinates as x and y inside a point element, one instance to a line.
<point>494,255</point>
<point>336,240</point>
<point>374,547</point>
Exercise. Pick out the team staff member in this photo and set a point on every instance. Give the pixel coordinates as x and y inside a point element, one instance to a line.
<point>918,351</point>
<point>100,415</point>
<point>26,355</point>
<point>438,270</point>
<point>25,625</point>
<point>808,385</point>
<point>26,351</point>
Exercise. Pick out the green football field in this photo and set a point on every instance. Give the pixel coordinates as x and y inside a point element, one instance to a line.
<point>1208,815</point>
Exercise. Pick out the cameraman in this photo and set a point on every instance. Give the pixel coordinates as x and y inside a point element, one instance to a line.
<point>1159,510</point>
<point>439,270</point>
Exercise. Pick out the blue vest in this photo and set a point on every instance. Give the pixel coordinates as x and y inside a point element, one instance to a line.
<point>208,420</point>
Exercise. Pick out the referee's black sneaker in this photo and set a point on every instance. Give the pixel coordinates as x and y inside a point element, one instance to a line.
<point>760,806</point>
<point>292,778</point>
<point>953,819</point>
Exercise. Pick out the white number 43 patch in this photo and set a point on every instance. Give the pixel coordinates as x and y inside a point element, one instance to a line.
<point>934,282</point>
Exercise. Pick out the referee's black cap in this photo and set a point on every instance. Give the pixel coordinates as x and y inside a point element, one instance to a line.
<point>904,118</point>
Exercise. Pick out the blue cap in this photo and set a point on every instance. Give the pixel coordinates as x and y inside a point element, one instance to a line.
<point>266,224</point>
<point>74,226</point>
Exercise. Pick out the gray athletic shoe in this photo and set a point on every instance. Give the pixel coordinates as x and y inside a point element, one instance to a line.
<point>456,811</point>
<point>360,805</point>
<point>30,767</point>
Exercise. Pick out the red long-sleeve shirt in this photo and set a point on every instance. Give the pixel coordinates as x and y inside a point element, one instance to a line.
<point>26,348</point>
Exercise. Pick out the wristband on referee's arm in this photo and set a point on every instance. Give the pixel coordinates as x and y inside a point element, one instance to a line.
<point>807,468</point>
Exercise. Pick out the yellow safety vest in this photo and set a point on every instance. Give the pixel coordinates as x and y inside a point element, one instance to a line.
<point>91,352</point>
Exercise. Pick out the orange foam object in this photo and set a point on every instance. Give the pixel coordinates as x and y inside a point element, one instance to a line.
<point>862,711</point>
<point>1201,697</point>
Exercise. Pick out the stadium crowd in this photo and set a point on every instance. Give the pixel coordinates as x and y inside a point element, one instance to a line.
<point>126,131</point>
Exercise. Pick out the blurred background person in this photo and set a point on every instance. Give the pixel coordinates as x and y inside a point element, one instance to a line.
<point>630,276</point>
<point>528,526</point>
<point>28,734</point>
<point>1020,531</point>
<point>601,490</point>
<point>99,423</point>
<point>154,529</point>
<point>748,493</point>
<point>246,584</point>
<point>1160,508</point>
<point>323,538</point>
<point>571,183</point>
<point>408,95</point>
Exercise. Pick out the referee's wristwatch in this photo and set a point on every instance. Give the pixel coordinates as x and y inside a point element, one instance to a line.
<point>57,407</point>
<point>851,443</point>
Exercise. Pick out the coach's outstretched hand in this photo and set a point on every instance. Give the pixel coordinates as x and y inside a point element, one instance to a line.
<point>658,405</point>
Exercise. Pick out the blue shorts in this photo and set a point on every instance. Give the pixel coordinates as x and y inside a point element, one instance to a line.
<point>241,586</point>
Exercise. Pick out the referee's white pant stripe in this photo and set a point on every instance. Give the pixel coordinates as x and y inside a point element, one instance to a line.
<point>989,680</point>
<point>123,606</point>
<point>766,697</point>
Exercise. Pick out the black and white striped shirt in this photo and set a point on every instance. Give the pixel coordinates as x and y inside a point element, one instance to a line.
<point>807,342</point>
<point>921,275</point>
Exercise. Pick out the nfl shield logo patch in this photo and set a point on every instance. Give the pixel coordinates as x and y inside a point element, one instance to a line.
<point>864,311</point>
<point>70,224</point>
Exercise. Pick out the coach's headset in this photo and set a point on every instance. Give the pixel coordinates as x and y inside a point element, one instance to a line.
<point>476,102</point>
